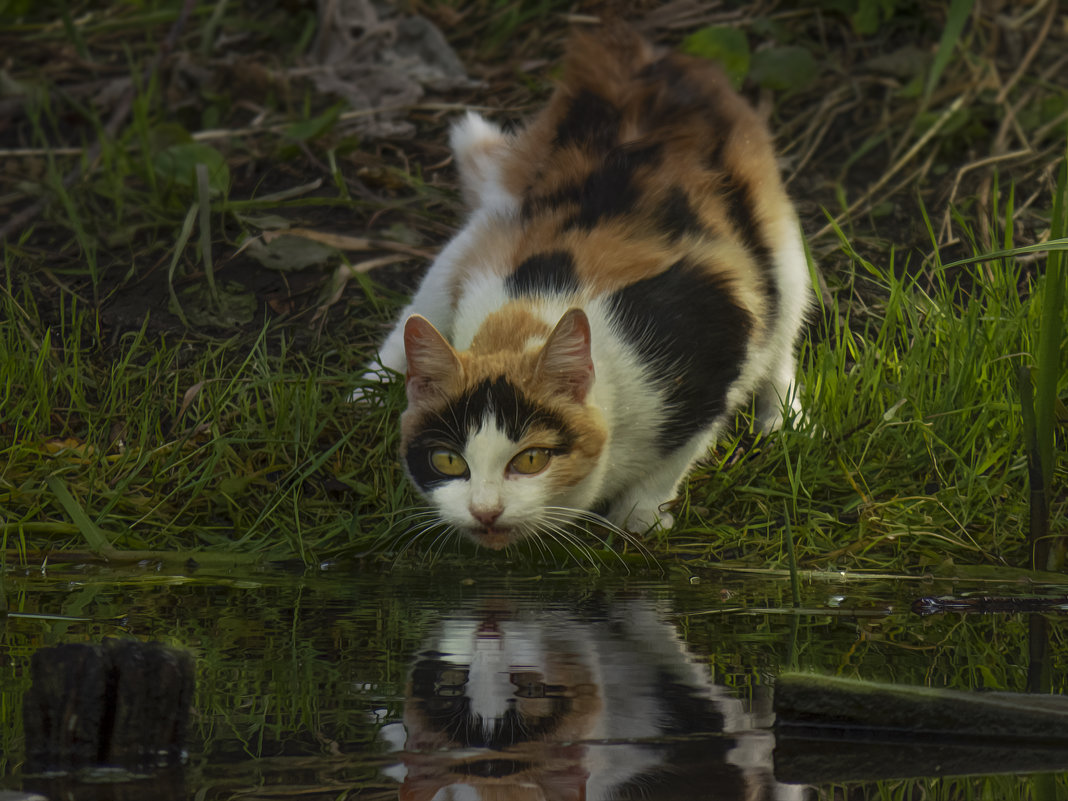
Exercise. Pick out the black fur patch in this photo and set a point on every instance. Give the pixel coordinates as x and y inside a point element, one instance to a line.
<point>713,158</point>
<point>672,92</point>
<point>676,216</point>
<point>686,326</point>
<point>590,121</point>
<point>609,191</point>
<point>515,414</point>
<point>442,698</point>
<point>537,204</point>
<point>547,273</point>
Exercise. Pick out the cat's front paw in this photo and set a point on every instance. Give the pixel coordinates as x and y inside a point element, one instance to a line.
<point>639,519</point>
<point>774,408</point>
<point>374,381</point>
<point>772,418</point>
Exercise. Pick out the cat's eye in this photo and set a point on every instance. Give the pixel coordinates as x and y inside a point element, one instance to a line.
<point>447,462</point>
<point>530,461</point>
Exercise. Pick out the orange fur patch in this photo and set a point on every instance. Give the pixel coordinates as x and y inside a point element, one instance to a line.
<point>618,66</point>
<point>511,328</point>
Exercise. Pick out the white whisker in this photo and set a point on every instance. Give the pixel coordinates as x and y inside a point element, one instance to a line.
<point>423,529</point>
<point>571,517</point>
<point>566,539</point>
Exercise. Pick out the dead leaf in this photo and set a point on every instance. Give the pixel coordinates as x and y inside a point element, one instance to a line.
<point>341,277</point>
<point>375,58</point>
<point>73,446</point>
<point>187,399</point>
<point>287,252</point>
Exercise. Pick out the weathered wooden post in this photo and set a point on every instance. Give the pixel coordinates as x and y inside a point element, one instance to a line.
<point>122,703</point>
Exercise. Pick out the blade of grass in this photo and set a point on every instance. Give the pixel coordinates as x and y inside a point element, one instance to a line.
<point>1053,245</point>
<point>959,11</point>
<point>1048,357</point>
<point>179,246</point>
<point>204,200</point>
<point>1038,518</point>
<point>96,538</point>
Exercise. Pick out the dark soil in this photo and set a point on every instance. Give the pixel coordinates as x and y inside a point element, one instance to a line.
<point>407,184</point>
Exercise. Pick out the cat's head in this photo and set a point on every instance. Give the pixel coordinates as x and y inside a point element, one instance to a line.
<point>500,438</point>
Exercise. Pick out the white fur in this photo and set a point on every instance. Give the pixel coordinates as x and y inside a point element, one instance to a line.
<point>487,452</point>
<point>432,299</point>
<point>478,145</point>
<point>778,391</point>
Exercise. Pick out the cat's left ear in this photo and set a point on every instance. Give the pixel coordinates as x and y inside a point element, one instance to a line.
<point>564,363</point>
<point>432,363</point>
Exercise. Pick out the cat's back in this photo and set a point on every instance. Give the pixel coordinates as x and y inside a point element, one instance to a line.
<point>644,165</point>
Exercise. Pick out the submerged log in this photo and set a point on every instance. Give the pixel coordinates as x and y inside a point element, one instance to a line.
<point>848,705</point>
<point>831,729</point>
<point>804,760</point>
<point>123,703</point>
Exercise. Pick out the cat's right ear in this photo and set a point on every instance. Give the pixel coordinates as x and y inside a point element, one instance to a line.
<point>565,363</point>
<point>432,363</point>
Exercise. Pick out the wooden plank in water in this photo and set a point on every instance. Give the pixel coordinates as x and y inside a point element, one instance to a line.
<point>123,703</point>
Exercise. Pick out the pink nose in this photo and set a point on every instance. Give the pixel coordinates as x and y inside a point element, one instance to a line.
<point>486,516</point>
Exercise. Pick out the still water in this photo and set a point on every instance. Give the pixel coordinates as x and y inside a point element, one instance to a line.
<point>468,684</point>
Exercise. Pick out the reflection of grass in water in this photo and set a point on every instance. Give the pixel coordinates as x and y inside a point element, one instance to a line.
<point>295,666</point>
<point>284,665</point>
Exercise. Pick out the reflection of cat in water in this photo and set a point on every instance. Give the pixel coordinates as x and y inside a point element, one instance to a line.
<point>563,707</point>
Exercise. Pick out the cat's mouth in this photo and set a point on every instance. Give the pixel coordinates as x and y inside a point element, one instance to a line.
<point>493,537</point>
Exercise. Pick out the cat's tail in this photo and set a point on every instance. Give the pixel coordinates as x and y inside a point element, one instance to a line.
<point>605,61</point>
<point>617,88</point>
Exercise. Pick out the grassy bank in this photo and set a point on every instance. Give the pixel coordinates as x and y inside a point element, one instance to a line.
<point>173,386</point>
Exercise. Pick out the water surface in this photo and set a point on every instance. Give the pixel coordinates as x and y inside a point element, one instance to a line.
<point>447,684</point>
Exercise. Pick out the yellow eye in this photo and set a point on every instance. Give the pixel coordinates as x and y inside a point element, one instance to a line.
<point>448,463</point>
<point>530,461</point>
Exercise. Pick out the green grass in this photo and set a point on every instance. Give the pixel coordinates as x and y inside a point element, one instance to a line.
<point>146,436</point>
<point>911,453</point>
<point>239,444</point>
<point>912,448</point>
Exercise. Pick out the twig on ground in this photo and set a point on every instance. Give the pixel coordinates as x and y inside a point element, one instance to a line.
<point>1029,56</point>
<point>897,166</point>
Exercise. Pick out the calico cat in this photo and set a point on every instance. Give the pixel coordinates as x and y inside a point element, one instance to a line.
<point>632,272</point>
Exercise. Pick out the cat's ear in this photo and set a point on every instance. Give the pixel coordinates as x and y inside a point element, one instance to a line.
<point>565,364</point>
<point>432,363</point>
